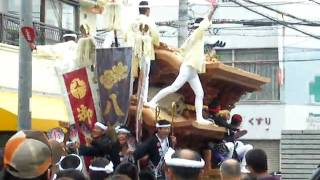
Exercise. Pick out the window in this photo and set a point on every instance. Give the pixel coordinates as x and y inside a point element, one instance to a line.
<point>14,8</point>
<point>57,13</point>
<point>260,61</point>
<point>60,14</point>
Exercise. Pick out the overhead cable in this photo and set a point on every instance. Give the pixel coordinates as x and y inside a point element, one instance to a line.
<point>279,22</point>
<point>309,23</point>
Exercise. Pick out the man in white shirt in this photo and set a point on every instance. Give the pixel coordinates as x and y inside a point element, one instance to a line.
<point>193,63</point>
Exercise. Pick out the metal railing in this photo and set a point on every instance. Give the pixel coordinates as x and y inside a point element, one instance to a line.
<point>45,34</point>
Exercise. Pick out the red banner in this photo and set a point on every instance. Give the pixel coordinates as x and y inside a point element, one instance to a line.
<point>81,101</point>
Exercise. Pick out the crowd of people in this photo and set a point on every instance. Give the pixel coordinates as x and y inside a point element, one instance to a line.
<point>31,155</point>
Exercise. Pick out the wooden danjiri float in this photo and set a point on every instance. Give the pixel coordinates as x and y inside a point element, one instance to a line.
<point>229,82</point>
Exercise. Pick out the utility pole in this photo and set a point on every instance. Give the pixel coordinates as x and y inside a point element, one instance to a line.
<point>183,21</point>
<point>25,68</point>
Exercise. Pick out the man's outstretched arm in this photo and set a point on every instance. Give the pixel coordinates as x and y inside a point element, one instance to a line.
<point>214,7</point>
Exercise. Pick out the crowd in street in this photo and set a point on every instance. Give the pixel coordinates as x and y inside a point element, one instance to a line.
<point>31,155</point>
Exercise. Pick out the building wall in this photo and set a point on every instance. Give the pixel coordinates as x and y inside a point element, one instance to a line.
<point>44,78</point>
<point>300,154</point>
<point>3,6</point>
<point>300,75</point>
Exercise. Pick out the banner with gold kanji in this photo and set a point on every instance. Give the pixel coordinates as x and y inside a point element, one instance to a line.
<point>114,70</point>
<point>81,102</point>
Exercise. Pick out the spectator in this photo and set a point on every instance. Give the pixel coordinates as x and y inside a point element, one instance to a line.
<point>128,169</point>
<point>257,163</point>
<point>183,164</point>
<point>58,152</point>
<point>27,155</point>
<point>71,161</point>
<point>71,174</point>
<point>100,169</point>
<point>230,170</point>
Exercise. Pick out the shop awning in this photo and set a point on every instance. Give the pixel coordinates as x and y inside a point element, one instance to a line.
<point>46,112</point>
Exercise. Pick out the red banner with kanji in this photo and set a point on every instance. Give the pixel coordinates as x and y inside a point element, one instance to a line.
<point>81,101</point>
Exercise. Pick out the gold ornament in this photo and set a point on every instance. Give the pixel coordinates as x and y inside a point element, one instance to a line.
<point>78,88</point>
<point>113,76</point>
<point>85,114</point>
<point>115,105</point>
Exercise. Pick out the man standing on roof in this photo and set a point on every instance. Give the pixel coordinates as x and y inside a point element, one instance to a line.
<point>193,63</point>
<point>143,36</point>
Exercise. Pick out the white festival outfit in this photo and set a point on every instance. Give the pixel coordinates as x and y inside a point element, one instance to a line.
<point>241,150</point>
<point>112,13</point>
<point>143,36</point>
<point>193,63</point>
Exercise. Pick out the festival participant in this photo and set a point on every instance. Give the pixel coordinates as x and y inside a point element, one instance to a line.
<point>156,147</point>
<point>86,51</point>
<point>121,150</point>
<point>98,144</point>
<point>193,63</point>
<point>143,36</point>
<point>237,149</point>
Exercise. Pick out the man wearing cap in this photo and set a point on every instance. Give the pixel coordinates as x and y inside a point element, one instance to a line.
<point>98,145</point>
<point>27,155</point>
<point>156,147</point>
<point>143,36</point>
<point>192,52</point>
<point>183,164</point>
<point>121,150</point>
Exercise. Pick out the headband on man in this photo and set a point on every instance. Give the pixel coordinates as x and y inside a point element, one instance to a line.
<point>122,129</point>
<point>182,162</point>
<point>163,124</point>
<point>70,35</point>
<point>100,125</point>
<point>108,168</point>
<point>75,161</point>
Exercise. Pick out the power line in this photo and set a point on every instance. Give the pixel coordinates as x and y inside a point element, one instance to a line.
<point>280,22</point>
<point>315,2</point>
<point>272,61</point>
<point>283,13</point>
<point>266,3</point>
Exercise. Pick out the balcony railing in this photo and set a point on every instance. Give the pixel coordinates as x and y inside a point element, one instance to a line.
<point>46,34</point>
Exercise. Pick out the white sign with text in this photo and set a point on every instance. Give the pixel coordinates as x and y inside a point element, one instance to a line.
<point>261,121</point>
